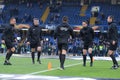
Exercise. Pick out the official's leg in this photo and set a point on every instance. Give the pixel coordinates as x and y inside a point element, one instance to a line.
<point>111,50</point>
<point>84,56</point>
<point>63,56</point>
<point>60,53</point>
<point>115,63</point>
<point>91,56</point>
<point>33,55</point>
<point>39,54</point>
<point>10,51</point>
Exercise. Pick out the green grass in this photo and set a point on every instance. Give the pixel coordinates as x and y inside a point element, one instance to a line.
<point>101,69</point>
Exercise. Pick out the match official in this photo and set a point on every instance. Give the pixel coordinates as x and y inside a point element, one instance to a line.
<point>34,39</point>
<point>62,34</point>
<point>87,35</point>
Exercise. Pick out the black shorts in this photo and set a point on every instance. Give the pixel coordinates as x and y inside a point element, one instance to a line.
<point>88,45</point>
<point>35,44</point>
<point>113,47</point>
<point>62,46</point>
<point>9,44</point>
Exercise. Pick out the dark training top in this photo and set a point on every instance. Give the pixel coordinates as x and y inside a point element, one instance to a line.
<point>112,32</point>
<point>87,34</point>
<point>8,33</point>
<point>34,34</point>
<point>63,32</point>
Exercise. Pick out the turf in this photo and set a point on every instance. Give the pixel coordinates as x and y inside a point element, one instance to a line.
<point>101,69</point>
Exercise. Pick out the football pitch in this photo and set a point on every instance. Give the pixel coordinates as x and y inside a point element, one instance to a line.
<point>73,68</point>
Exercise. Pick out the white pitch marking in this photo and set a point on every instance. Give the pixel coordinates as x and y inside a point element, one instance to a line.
<point>52,69</point>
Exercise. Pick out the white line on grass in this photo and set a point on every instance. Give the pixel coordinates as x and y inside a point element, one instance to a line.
<point>52,69</point>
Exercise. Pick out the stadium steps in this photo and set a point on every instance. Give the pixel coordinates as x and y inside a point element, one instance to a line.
<point>83,10</point>
<point>45,15</point>
<point>92,20</point>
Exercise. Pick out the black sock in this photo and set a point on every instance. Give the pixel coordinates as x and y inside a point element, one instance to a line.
<point>84,59</point>
<point>114,60</point>
<point>60,55</point>
<point>62,59</point>
<point>39,53</point>
<point>33,56</point>
<point>91,58</point>
<point>8,56</point>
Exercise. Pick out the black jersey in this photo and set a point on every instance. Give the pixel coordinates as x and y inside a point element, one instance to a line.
<point>63,32</point>
<point>8,33</point>
<point>34,34</point>
<point>87,34</point>
<point>112,32</point>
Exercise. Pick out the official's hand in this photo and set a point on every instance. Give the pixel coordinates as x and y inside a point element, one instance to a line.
<point>113,42</point>
<point>41,41</point>
<point>28,43</point>
<point>3,41</point>
<point>54,40</point>
<point>16,40</point>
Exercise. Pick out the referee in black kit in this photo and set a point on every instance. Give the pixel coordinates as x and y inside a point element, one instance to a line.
<point>34,39</point>
<point>112,34</point>
<point>87,35</point>
<point>9,39</point>
<point>62,34</point>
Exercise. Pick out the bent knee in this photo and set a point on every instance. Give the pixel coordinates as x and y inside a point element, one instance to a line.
<point>39,48</point>
<point>13,49</point>
<point>64,51</point>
